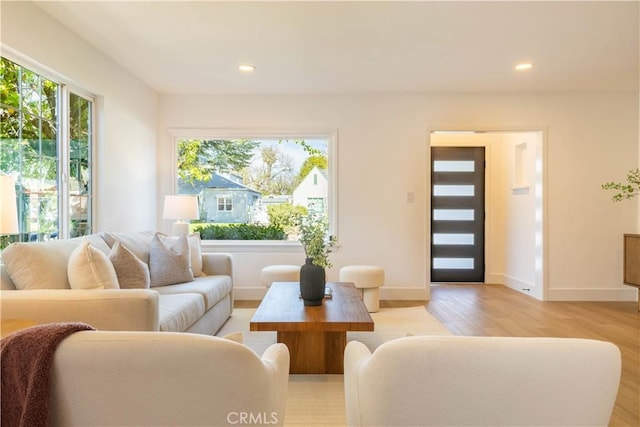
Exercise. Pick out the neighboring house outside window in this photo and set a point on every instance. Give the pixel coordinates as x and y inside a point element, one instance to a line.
<point>53,174</point>
<point>313,191</point>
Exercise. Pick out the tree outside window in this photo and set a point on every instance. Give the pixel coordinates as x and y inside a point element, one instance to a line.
<point>31,150</point>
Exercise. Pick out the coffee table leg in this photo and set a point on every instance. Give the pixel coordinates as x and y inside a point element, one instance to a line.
<point>315,352</point>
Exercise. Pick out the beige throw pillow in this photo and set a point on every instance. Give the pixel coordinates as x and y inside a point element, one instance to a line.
<point>195,253</point>
<point>169,260</point>
<point>90,268</point>
<point>136,241</point>
<point>131,271</point>
<point>39,265</point>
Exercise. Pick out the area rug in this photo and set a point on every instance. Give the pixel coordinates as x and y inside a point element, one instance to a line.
<point>390,323</point>
<point>318,400</point>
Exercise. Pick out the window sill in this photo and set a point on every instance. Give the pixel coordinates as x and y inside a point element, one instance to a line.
<point>251,246</point>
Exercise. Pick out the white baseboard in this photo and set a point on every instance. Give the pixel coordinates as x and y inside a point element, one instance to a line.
<point>526,288</point>
<point>422,293</point>
<point>570,294</point>
<point>405,293</point>
<point>386,293</point>
<point>249,293</point>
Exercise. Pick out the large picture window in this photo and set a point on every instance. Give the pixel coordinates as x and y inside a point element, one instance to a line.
<point>45,144</point>
<point>256,183</point>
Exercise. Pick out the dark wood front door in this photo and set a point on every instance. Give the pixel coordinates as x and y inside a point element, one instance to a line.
<point>457,214</point>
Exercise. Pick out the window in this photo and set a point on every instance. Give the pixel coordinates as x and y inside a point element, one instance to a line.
<point>225,204</point>
<point>46,140</point>
<point>260,181</point>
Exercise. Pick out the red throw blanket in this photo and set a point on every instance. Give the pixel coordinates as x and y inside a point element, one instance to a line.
<point>27,357</point>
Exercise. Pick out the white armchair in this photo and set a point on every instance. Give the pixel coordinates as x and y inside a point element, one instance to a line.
<point>166,379</point>
<point>481,381</point>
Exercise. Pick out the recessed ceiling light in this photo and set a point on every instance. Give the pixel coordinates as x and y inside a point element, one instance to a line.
<point>247,68</point>
<point>524,66</point>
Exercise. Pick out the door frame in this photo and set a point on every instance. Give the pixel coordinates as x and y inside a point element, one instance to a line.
<point>541,251</point>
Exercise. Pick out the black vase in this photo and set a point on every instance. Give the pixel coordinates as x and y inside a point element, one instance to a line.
<point>312,283</point>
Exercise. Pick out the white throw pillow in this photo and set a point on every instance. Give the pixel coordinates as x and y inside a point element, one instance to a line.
<point>90,268</point>
<point>169,260</point>
<point>131,271</point>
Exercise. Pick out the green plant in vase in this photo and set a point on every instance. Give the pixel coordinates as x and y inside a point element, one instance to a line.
<point>313,232</point>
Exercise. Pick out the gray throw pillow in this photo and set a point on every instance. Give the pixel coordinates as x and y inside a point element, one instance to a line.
<point>131,271</point>
<point>169,262</point>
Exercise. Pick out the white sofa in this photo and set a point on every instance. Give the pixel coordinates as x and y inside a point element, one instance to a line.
<point>170,379</point>
<point>44,294</point>
<point>481,381</point>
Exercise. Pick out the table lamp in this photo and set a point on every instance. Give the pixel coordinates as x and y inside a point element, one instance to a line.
<point>180,208</point>
<point>8,207</point>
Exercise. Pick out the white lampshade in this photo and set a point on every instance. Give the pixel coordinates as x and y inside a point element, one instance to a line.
<point>8,207</point>
<point>180,208</point>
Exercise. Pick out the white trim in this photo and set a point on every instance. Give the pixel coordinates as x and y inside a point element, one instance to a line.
<point>386,293</point>
<point>46,72</point>
<point>176,133</point>
<point>405,293</point>
<point>591,294</point>
<point>271,246</point>
<point>64,155</point>
<point>518,285</point>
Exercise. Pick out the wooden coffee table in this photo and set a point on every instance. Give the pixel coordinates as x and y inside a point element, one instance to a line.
<point>316,336</point>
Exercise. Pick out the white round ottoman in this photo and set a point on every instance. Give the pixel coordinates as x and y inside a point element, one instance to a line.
<point>279,273</point>
<point>368,278</point>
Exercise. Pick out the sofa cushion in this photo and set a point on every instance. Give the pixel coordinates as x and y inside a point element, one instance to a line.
<point>169,260</point>
<point>179,311</point>
<point>89,268</point>
<point>39,265</point>
<point>138,242</point>
<point>131,271</point>
<point>211,288</point>
<point>196,254</point>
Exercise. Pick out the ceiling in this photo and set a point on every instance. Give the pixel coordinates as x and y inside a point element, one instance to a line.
<point>364,46</point>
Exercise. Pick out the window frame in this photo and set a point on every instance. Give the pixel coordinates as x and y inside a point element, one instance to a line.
<point>63,141</point>
<point>177,134</point>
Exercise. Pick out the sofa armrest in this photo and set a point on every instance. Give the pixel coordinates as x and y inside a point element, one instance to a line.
<point>277,357</point>
<point>104,309</point>
<point>165,379</point>
<point>217,264</point>
<point>355,354</point>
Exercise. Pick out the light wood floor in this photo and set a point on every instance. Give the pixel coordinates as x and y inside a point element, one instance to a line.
<point>495,310</point>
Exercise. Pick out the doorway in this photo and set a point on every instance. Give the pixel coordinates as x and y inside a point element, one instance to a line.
<point>514,233</point>
<point>457,214</point>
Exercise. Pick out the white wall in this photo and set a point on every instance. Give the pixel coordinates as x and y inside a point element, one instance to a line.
<point>126,140</point>
<point>383,154</point>
<point>523,225</point>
